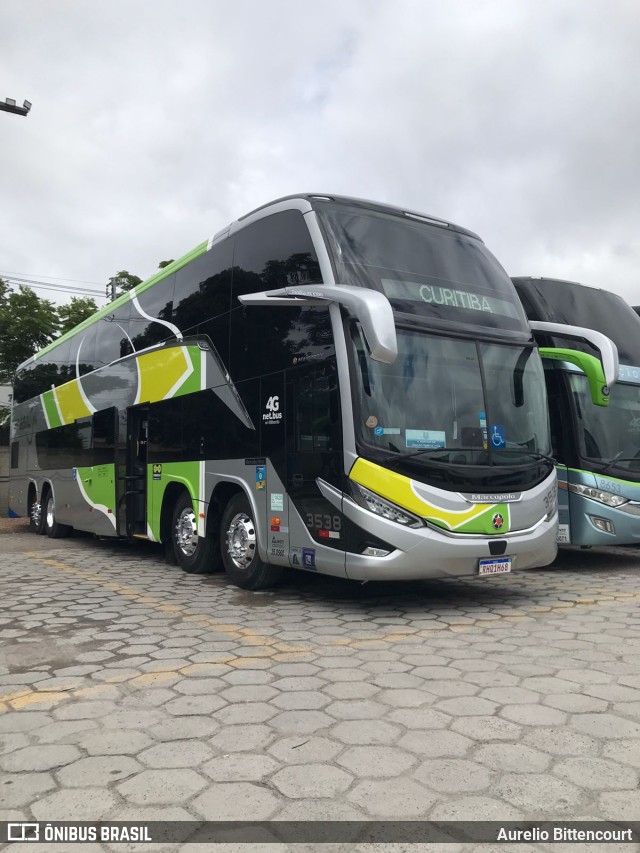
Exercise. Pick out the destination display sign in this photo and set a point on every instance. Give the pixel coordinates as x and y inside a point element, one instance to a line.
<point>449,297</point>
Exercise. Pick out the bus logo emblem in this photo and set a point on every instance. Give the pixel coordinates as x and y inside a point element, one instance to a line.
<point>497,521</point>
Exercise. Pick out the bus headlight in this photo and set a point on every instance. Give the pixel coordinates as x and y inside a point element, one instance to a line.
<point>374,503</point>
<point>599,495</point>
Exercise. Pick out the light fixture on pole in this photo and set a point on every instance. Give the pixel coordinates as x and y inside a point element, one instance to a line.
<point>10,106</point>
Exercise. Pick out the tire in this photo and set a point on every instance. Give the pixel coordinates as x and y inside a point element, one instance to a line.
<point>52,528</point>
<point>36,517</point>
<point>239,547</point>
<point>194,554</point>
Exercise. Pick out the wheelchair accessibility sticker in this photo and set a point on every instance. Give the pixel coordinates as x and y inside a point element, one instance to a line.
<point>498,436</point>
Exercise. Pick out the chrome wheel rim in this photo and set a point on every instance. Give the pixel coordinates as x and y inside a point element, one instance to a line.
<point>36,513</point>
<point>186,532</point>
<point>241,540</point>
<point>50,515</point>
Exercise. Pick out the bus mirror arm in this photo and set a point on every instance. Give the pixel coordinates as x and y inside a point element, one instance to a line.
<point>370,307</point>
<point>608,350</point>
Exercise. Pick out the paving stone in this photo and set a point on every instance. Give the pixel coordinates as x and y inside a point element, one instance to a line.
<point>533,715</point>
<point>420,718</point>
<point>623,751</point>
<point>356,710</point>
<point>155,787</point>
<point>304,700</point>
<point>512,757</point>
<point>37,758</point>
<point>485,728</point>
<point>620,805</point>
<point>366,732</point>
<point>97,770</point>
<point>435,743</point>
<point>85,804</point>
<point>475,808</point>
<point>177,753</point>
<point>351,690</point>
<point>311,780</point>
<point>85,710</point>
<point>24,789</point>
<point>510,695</point>
<point>466,706</point>
<point>575,703</point>
<point>65,731</point>
<point>452,775</point>
<point>596,773</point>
<point>195,705</point>
<point>403,799</point>
<point>234,801</point>
<point>22,721</point>
<point>240,767</point>
<point>182,728</point>
<point>605,726</point>
<point>243,738</point>
<point>538,793</point>
<point>306,750</point>
<point>301,722</point>
<point>100,742</point>
<point>376,761</point>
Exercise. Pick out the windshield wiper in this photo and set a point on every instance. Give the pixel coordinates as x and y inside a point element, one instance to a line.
<point>619,458</point>
<point>535,454</point>
<point>401,457</point>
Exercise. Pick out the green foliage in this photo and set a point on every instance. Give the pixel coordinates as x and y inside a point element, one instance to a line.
<point>124,281</point>
<point>27,323</point>
<point>164,264</point>
<point>75,312</point>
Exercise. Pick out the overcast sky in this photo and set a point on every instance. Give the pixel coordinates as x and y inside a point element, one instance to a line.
<point>154,124</point>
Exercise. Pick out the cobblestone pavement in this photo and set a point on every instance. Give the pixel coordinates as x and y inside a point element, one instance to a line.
<point>130,690</point>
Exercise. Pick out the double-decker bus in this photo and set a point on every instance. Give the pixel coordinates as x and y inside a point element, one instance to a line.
<point>598,450</point>
<point>327,384</point>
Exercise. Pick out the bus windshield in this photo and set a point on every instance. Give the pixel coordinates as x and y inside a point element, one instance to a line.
<point>611,435</point>
<point>423,269</point>
<point>452,401</point>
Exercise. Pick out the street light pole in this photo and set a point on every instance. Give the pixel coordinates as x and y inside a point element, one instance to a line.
<point>9,105</point>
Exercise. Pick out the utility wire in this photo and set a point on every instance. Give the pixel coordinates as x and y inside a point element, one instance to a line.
<point>59,288</point>
<point>32,275</point>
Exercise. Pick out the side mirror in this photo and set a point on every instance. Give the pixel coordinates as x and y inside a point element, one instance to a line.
<point>371,308</point>
<point>590,366</point>
<point>608,350</point>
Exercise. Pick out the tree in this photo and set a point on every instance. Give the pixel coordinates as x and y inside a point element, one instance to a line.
<point>75,312</point>
<point>27,323</point>
<point>121,282</point>
<point>164,264</point>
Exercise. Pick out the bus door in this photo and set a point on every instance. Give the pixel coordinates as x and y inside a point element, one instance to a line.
<point>314,450</point>
<point>135,494</point>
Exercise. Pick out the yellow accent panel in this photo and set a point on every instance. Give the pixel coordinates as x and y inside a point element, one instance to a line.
<point>70,402</point>
<point>160,371</point>
<point>397,488</point>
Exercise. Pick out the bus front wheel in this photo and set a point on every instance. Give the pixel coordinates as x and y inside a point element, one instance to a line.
<point>239,546</point>
<point>52,528</point>
<point>194,554</point>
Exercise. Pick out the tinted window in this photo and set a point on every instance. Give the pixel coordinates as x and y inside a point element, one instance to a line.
<point>65,447</point>
<point>15,453</point>
<point>113,336</point>
<point>103,437</point>
<point>157,302</point>
<point>424,269</point>
<point>165,431</point>
<point>83,351</point>
<point>202,297</point>
<point>274,252</point>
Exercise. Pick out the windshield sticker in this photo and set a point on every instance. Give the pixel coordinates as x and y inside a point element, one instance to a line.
<point>498,436</point>
<point>446,296</point>
<point>277,500</point>
<point>483,427</point>
<point>386,431</point>
<point>425,438</point>
<point>261,478</point>
<point>371,421</point>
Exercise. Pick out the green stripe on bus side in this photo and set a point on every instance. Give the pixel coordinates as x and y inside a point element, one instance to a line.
<point>200,249</point>
<point>185,473</point>
<point>51,410</point>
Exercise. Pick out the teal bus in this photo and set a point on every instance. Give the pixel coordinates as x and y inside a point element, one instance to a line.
<point>597,450</point>
<point>328,384</point>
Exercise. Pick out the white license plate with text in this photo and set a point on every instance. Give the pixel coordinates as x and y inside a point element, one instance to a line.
<point>495,566</point>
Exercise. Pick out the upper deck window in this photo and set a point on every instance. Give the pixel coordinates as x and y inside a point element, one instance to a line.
<point>432,271</point>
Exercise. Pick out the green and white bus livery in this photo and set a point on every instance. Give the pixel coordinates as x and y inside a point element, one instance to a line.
<point>327,384</point>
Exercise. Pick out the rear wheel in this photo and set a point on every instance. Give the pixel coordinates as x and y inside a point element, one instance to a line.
<point>52,528</point>
<point>194,554</point>
<point>239,546</point>
<point>36,516</point>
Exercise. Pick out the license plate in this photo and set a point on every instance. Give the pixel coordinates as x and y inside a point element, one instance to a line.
<point>495,567</point>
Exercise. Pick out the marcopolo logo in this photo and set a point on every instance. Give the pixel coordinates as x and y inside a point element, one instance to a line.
<point>273,414</point>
